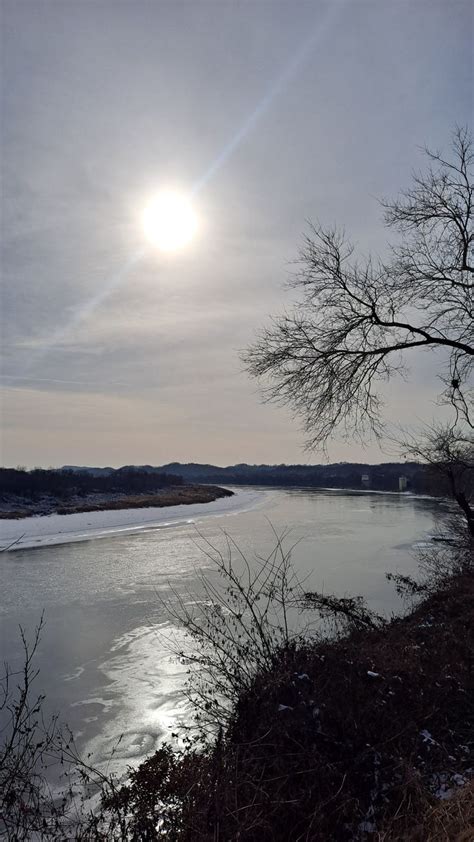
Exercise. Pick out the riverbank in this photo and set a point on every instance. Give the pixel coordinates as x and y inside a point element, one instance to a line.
<point>15,508</point>
<point>368,737</point>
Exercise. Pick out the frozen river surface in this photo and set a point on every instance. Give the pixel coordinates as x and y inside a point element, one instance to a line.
<point>105,664</point>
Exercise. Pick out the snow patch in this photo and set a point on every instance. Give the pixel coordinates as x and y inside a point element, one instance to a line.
<point>48,530</point>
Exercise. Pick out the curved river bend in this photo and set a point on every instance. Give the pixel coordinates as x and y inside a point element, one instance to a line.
<point>104,658</point>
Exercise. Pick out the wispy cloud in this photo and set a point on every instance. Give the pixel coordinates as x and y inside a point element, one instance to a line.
<point>280,112</point>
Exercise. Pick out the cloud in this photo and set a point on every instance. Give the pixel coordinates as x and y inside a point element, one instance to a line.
<point>106,102</point>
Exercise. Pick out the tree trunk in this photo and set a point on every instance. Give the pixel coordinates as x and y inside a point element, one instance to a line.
<point>463,502</point>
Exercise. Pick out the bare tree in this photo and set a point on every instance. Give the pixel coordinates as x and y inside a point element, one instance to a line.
<point>448,451</point>
<point>238,625</point>
<point>81,804</point>
<point>356,319</point>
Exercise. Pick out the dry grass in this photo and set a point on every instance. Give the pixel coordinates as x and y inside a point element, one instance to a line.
<point>451,820</point>
<point>180,495</point>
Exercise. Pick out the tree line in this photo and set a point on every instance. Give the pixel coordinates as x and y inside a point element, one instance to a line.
<point>65,484</point>
<point>383,477</point>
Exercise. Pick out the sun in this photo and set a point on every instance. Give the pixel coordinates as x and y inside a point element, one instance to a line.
<point>169,221</point>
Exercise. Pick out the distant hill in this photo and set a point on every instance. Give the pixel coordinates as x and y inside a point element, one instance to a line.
<point>351,475</point>
<point>95,472</point>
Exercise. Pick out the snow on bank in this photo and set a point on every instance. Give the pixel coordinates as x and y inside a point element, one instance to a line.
<point>83,526</point>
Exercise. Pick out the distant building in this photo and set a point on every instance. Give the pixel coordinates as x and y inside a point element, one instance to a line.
<point>402,483</point>
<point>365,480</point>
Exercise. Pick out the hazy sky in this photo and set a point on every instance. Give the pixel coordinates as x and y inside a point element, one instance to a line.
<point>273,112</point>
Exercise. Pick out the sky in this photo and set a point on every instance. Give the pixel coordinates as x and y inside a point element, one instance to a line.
<point>269,113</point>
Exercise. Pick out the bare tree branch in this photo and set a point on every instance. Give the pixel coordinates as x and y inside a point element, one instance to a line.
<point>355,320</point>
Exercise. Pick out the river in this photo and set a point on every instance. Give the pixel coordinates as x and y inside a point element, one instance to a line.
<point>104,657</point>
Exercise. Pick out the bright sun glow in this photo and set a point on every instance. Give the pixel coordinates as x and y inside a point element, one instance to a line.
<point>169,221</point>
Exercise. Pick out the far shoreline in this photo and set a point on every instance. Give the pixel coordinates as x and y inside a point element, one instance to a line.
<point>174,496</point>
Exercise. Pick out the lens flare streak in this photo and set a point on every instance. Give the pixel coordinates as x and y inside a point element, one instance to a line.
<point>281,82</point>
